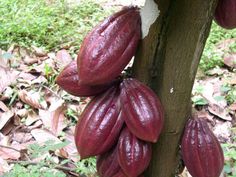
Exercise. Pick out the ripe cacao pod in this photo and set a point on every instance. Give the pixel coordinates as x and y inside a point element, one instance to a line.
<point>122,174</point>
<point>107,164</point>
<point>99,125</point>
<point>143,111</point>
<point>134,154</point>
<point>109,47</point>
<point>201,151</point>
<point>68,80</point>
<point>225,14</point>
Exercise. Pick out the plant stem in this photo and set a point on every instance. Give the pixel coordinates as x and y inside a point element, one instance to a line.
<point>59,167</point>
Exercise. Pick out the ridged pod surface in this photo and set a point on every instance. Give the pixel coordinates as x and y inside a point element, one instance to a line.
<point>134,154</point>
<point>122,174</point>
<point>142,109</point>
<point>99,125</point>
<point>68,80</point>
<point>107,164</point>
<point>109,47</point>
<point>225,14</point>
<point>201,151</point>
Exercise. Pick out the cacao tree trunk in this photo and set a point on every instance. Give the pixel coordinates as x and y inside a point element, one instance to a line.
<point>167,61</point>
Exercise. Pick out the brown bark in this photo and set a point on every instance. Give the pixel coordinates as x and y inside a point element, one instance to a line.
<point>167,61</point>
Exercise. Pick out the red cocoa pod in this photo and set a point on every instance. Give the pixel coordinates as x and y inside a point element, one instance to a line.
<point>99,125</point>
<point>122,174</point>
<point>143,111</point>
<point>68,80</point>
<point>225,14</point>
<point>201,151</point>
<point>134,154</point>
<point>107,164</point>
<point>109,47</point>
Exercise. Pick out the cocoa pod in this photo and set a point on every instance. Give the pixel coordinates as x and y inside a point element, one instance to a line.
<point>225,14</point>
<point>143,111</point>
<point>122,174</point>
<point>109,47</point>
<point>107,164</point>
<point>68,80</point>
<point>134,155</point>
<point>201,151</point>
<point>99,125</point>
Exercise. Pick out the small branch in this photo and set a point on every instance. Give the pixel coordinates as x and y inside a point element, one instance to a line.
<point>26,163</point>
<point>8,147</point>
<point>54,93</point>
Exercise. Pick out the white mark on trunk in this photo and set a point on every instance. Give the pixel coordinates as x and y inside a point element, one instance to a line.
<point>172,90</point>
<point>149,14</point>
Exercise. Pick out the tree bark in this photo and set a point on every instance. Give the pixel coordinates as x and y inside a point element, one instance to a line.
<point>167,61</point>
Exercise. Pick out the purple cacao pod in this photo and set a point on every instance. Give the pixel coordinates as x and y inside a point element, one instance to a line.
<point>225,14</point>
<point>122,174</point>
<point>68,80</point>
<point>143,111</point>
<point>134,154</point>
<point>109,47</point>
<point>201,151</point>
<point>99,125</point>
<point>107,164</point>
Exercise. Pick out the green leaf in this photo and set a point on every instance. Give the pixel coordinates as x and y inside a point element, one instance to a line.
<point>198,100</point>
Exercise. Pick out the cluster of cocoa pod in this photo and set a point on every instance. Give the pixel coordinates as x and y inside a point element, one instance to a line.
<point>225,14</point>
<point>201,150</point>
<point>125,116</point>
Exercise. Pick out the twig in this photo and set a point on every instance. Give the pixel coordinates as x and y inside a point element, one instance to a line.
<point>54,93</point>
<point>59,167</point>
<point>8,147</point>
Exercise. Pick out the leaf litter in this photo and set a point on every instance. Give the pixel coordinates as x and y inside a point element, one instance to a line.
<point>36,115</point>
<point>33,110</point>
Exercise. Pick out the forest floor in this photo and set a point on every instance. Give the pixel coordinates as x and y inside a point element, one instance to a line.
<point>37,118</point>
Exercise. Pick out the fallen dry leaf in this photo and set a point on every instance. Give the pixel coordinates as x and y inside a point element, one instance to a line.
<point>5,117</point>
<point>27,76</point>
<point>31,118</point>
<point>39,52</point>
<point>3,107</point>
<point>4,140</point>
<point>7,77</point>
<point>71,148</point>
<point>63,58</point>
<point>204,114</point>
<point>22,137</point>
<point>35,125</point>
<point>4,167</point>
<point>39,80</point>
<point>54,117</point>
<point>7,153</point>
<point>32,98</point>
<point>219,112</point>
<point>43,135</point>
<point>230,61</point>
<point>22,112</point>
<point>30,60</point>
<point>223,131</point>
<point>8,127</point>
